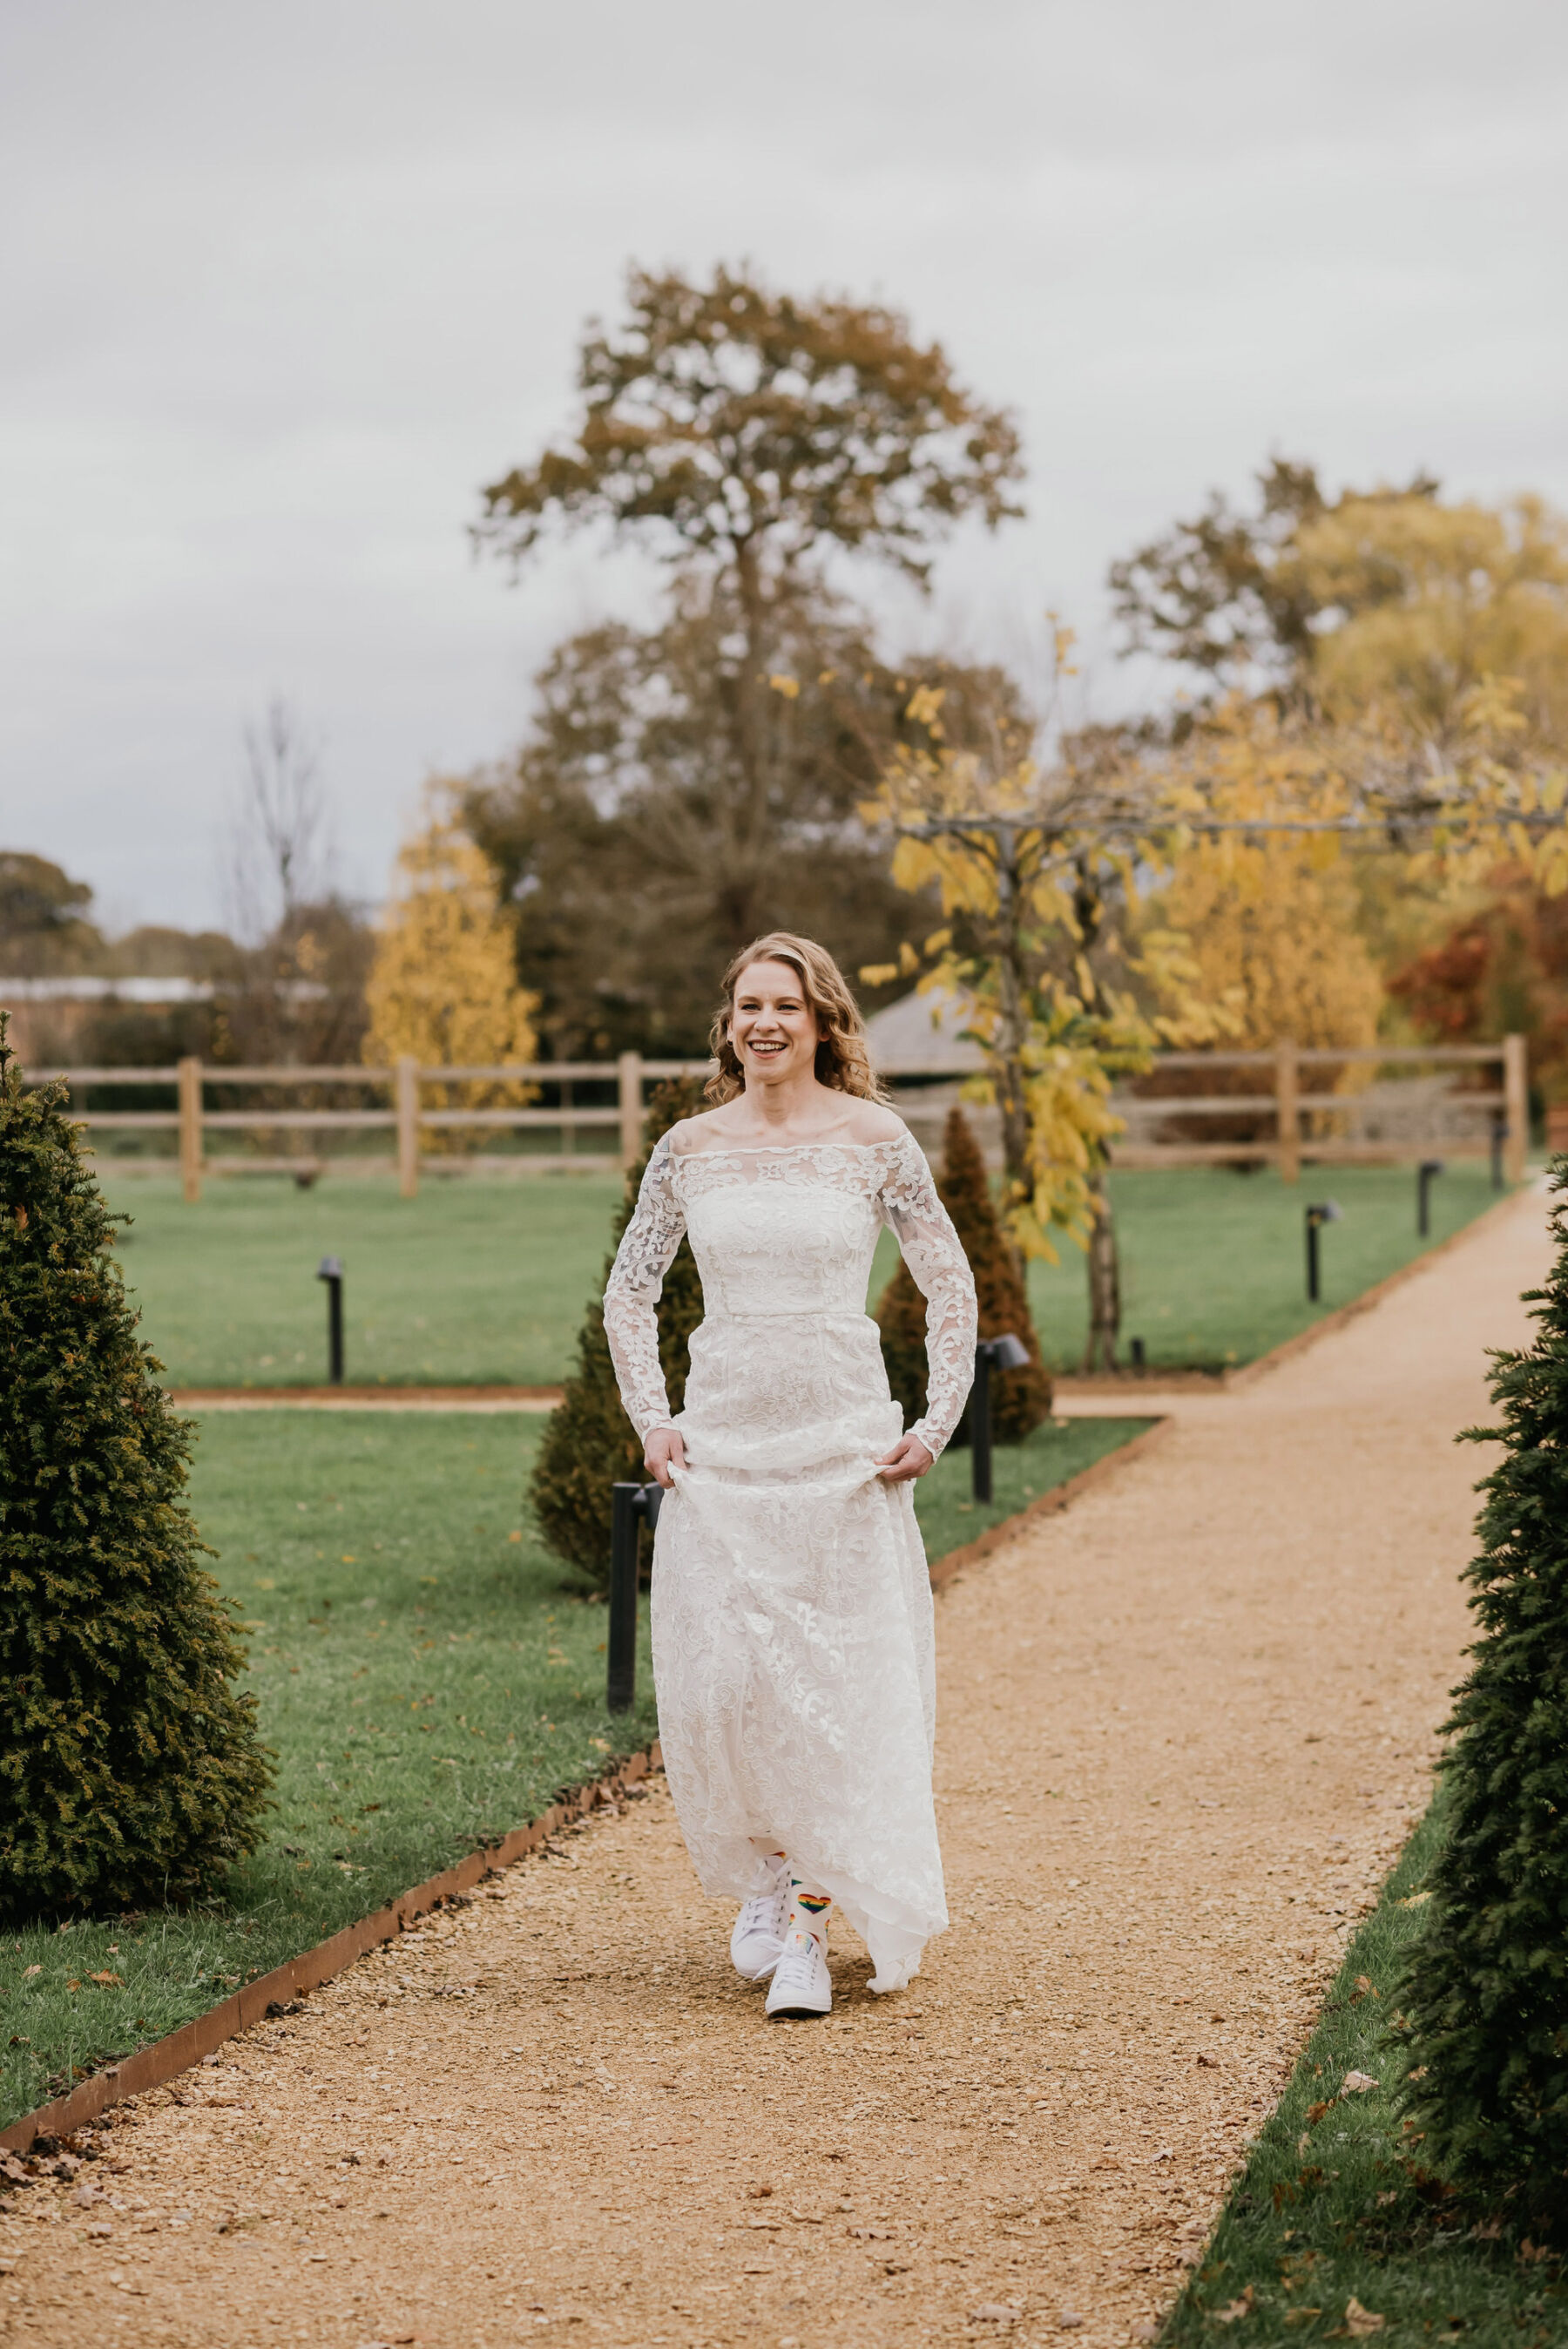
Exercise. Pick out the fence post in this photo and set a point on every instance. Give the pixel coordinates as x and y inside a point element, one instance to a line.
<point>190,1129</point>
<point>1287,1110</point>
<point>1516,1107</point>
<point>405,1083</point>
<point>630,1068</point>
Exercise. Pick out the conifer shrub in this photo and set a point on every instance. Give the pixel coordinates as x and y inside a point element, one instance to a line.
<point>1020,1399</point>
<point>1485,1991</point>
<point>589,1442</point>
<point>130,1770</point>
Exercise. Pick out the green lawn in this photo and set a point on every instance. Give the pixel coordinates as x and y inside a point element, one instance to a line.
<point>1334,2206</point>
<point>425,1679</point>
<point>478,1282</point>
<point>422,1675</point>
<point>472,1282</point>
<point>1214,1263</point>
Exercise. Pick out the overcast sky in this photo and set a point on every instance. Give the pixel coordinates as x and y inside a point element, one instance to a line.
<point>282,286</point>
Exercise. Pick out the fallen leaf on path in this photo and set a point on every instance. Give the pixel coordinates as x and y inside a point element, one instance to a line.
<point>998,2311</point>
<point>1359,2321</point>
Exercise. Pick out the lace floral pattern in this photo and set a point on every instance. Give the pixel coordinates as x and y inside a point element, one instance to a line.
<point>887,1182</point>
<point>791,1607</point>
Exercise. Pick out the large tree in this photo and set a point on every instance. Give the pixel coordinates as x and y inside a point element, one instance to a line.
<point>1222,592</point>
<point>746,437</point>
<point>44,923</point>
<point>1385,600</point>
<point>625,833</point>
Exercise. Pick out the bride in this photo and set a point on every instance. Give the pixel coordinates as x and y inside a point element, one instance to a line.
<point>792,1614</point>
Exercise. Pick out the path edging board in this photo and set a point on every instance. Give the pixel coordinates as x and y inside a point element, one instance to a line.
<point>1226,1382</point>
<point>164,2059</point>
<point>378,1398</point>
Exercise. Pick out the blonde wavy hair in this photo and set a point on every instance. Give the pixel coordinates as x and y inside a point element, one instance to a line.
<point>843,1061</point>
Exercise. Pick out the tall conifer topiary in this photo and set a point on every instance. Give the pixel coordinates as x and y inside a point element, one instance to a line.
<point>1487,1986</point>
<point>130,1771</point>
<point>1020,1399</point>
<point>589,1444</point>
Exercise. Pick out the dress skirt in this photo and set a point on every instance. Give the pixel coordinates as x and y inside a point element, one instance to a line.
<point>792,1628</point>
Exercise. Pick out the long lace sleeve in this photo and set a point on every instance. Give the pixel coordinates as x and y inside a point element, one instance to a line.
<point>647,1249</point>
<point>936,1257</point>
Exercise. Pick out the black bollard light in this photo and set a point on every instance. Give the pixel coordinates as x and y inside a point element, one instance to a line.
<point>630,1505</point>
<point>1140,1356</point>
<point>1322,1211</point>
<point>1424,1173</point>
<point>1498,1136</point>
<point>330,1270</point>
<point>1003,1353</point>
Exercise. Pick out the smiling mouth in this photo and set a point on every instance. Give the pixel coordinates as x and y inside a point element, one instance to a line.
<point>753,1045</point>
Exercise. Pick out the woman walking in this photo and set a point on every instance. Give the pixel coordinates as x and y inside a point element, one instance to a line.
<point>793,1649</point>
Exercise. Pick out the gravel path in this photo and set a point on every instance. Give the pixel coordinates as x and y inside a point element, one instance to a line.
<point>1185,1727</point>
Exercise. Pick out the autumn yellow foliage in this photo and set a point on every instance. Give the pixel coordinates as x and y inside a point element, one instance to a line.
<point>443,985</point>
<point>1423,603</point>
<point>1271,919</point>
<point>1023,920</point>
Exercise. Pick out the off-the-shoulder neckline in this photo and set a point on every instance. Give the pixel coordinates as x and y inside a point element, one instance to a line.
<point>781,1149</point>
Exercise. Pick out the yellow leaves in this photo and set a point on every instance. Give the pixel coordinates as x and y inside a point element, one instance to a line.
<point>1269,918</point>
<point>924,708</point>
<point>1422,600</point>
<point>877,974</point>
<point>908,960</point>
<point>1063,640</point>
<point>443,984</point>
<point>790,686</point>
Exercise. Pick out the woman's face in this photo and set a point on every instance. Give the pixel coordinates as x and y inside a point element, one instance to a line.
<point>772,1027</point>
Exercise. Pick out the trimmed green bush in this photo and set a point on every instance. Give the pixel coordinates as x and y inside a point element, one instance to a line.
<point>130,1772</point>
<point>1021,1399</point>
<point>590,1444</point>
<point>1487,1987</point>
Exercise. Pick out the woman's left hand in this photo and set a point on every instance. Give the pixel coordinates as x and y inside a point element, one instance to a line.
<point>908,1458</point>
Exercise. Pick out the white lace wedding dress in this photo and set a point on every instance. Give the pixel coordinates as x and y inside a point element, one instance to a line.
<point>793,1650</point>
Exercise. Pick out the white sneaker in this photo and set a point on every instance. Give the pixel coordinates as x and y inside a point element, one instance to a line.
<point>759,1934</point>
<point>801,1983</point>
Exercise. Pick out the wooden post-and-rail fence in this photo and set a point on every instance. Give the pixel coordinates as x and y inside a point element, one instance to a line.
<point>405,1117</point>
<point>1305,1124</point>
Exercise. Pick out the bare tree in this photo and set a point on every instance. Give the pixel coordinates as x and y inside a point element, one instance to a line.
<point>279,854</point>
<point>306,947</point>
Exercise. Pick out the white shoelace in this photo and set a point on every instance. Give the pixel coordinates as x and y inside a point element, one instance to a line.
<point>766,1911</point>
<point>798,1964</point>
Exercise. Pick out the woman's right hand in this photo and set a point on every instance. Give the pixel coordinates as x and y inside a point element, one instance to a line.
<point>664,1450</point>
